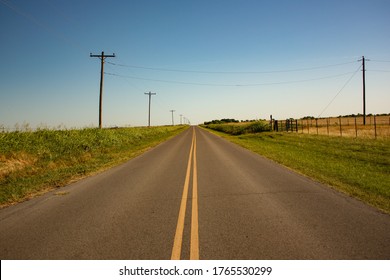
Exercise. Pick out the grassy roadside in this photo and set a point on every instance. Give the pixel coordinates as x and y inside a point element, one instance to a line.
<point>32,163</point>
<point>358,167</point>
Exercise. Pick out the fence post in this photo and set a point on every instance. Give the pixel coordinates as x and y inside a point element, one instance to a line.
<point>375,125</point>
<point>296,125</point>
<point>327,125</point>
<point>355,127</point>
<point>341,132</point>
<point>308,129</point>
<point>317,125</point>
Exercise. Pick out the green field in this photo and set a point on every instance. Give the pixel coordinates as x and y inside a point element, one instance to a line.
<point>32,163</point>
<point>357,167</point>
<point>240,128</point>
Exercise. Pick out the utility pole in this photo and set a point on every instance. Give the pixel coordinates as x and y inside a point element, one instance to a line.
<point>150,100</point>
<point>172,116</point>
<point>102,57</point>
<point>364,88</point>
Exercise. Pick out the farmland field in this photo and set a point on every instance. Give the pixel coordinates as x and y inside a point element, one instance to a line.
<point>33,162</point>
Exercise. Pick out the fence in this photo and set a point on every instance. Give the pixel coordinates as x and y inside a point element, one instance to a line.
<point>376,126</point>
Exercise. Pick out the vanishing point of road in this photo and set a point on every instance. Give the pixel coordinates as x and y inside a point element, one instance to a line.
<point>195,196</point>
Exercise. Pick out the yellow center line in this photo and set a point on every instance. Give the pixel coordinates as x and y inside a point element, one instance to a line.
<point>176,250</point>
<point>178,241</point>
<point>194,246</point>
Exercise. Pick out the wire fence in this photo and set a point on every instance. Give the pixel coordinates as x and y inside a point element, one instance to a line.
<point>376,126</point>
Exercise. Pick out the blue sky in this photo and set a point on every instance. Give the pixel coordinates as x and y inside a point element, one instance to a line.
<point>205,59</point>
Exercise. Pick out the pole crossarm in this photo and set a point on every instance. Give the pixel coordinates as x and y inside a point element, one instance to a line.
<point>102,55</point>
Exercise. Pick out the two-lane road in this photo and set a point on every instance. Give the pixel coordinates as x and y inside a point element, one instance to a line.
<point>195,196</point>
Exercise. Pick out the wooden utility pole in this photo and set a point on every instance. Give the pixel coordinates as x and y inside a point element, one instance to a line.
<point>364,89</point>
<point>173,123</point>
<point>102,57</point>
<point>150,100</point>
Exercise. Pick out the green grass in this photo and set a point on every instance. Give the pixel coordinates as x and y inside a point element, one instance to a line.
<point>358,167</point>
<point>32,163</point>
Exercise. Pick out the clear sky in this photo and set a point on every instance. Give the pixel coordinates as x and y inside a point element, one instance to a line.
<point>206,59</point>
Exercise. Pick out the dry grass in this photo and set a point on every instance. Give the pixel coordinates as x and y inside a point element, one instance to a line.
<point>376,127</point>
<point>15,162</point>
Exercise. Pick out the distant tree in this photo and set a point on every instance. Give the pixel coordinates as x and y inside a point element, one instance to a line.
<point>221,121</point>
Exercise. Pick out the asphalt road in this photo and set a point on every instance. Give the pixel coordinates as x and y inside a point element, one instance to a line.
<point>195,196</point>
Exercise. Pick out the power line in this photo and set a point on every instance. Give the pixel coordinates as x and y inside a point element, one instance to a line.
<point>346,83</point>
<point>229,72</point>
<point>384,71</point>
<point>385,61</point>
<point>131,83</point>
<point>228,85</point>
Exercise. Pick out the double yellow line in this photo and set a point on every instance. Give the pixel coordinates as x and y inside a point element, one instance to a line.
<point>178,241</point>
